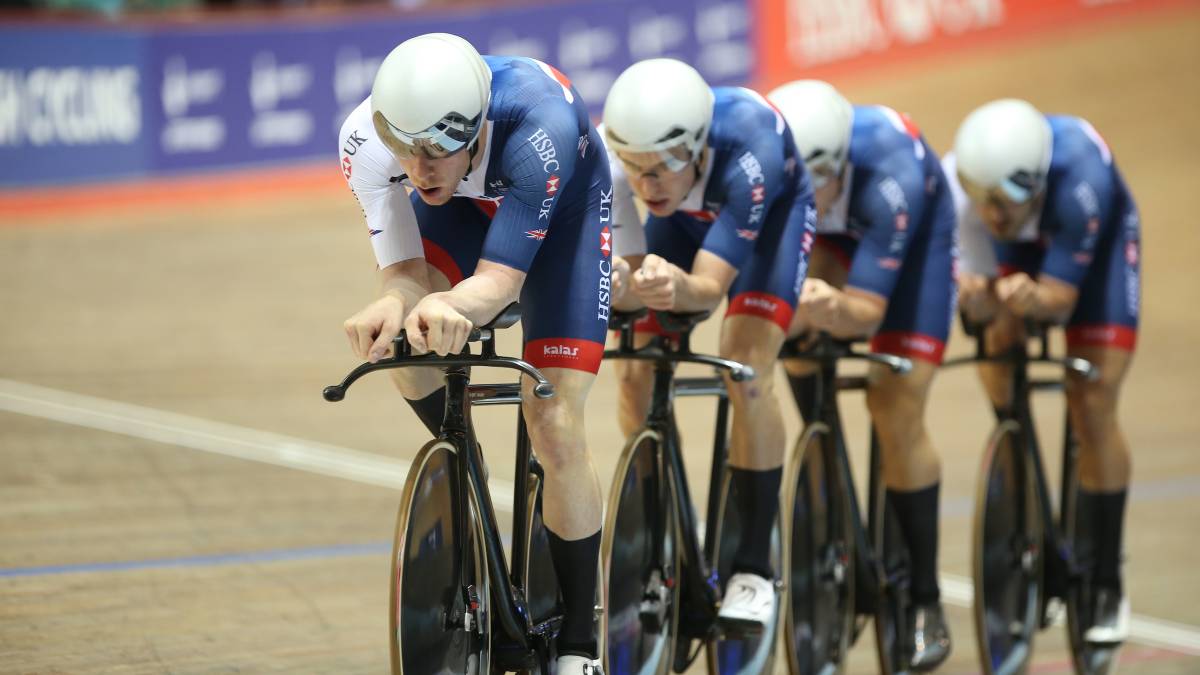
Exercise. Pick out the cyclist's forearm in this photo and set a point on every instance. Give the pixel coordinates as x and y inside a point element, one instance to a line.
<point>696,293</point>
<point>406,280</point>
<point>1054,300</point>
<point>482,296</point>
<point>861,313</point>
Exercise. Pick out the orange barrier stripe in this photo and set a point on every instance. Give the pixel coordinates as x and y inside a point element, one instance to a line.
<point>222,188</point>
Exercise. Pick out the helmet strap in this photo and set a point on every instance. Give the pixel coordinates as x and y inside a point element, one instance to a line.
<point>472,150</point>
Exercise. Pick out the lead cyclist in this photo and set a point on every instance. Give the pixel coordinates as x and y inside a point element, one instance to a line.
<point>508,183</point>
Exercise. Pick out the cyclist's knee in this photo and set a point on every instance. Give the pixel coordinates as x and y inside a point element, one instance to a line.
<point>897,403</point>
<point>633,375</point>
<point>751,341</point>
<point>555,424</point>
<point>1093,407</point>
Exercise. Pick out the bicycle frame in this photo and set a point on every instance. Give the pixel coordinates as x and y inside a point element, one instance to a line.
<point>699,590</point>
<point>1061,567</point>
<point>827,353</point>
<point>510,613</point>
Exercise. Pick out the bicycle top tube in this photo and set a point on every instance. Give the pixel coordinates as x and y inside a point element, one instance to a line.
<point>828,350</point>
<point>1019,352</point>
<point>669,349</point>
<point>485,335</point>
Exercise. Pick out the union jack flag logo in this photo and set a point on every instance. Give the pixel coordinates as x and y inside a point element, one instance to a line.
<point>536,235</point>
<point>748,235</point>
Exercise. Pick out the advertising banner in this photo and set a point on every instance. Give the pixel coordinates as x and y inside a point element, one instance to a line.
<point>825,38</point>
<point>79,104</point>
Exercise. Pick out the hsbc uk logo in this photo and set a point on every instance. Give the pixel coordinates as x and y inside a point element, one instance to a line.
<point>758,193</point>
<point>751,166</point>
<point>543,146</point>
<point>552,185</point>
<point>347,167</point>
<point>606,242</point>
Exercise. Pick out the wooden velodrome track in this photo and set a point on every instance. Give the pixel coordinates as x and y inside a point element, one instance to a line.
<point>176,497</point>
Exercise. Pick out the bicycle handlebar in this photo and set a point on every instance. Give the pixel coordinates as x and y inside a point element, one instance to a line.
<point>828,348</point>
<point>404,358</point>
<point>1039,330</point>
<point>681,323</point>
<point>738,372</point>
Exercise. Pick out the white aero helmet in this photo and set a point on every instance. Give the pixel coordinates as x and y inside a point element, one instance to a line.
<point>661,106</point>
<point>1004,144</point>
<point>821,120</point>
<point>430,96</point>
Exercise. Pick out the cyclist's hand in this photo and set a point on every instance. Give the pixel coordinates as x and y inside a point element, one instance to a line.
<point>620,279</point>
<point>435,326</point>
<point>975,297</point>
<point>1018,292</point>
<point>372,330</point>
<point>655,282</point>
<point>821,302</point>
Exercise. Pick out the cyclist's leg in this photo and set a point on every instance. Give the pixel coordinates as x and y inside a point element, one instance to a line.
<point>565,301</point>
<point>830,262</point>
<point>452,235</point>
<point>1103,330</point>
<point>1007,329</point>
<point>665,238</point>
<point>761,303</point>
<point>916,326</point>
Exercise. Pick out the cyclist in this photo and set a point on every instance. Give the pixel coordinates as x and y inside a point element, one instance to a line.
<point>509,185</point>
<point>729,213</point>
<point>882,267</point>
<point>1050,232</point>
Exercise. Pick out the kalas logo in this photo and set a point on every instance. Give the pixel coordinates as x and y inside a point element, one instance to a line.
<point>552,185</point>
<point>560,350</point>
<point>543,145</point>
<point>606,242</point>
<point>536,235</point>
<point>759,303</point>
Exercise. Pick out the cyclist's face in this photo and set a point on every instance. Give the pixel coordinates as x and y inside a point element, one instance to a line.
<point>827,187</point>
<point>1002,216</point>
<point>662,189</point>
<point>436,179</point>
